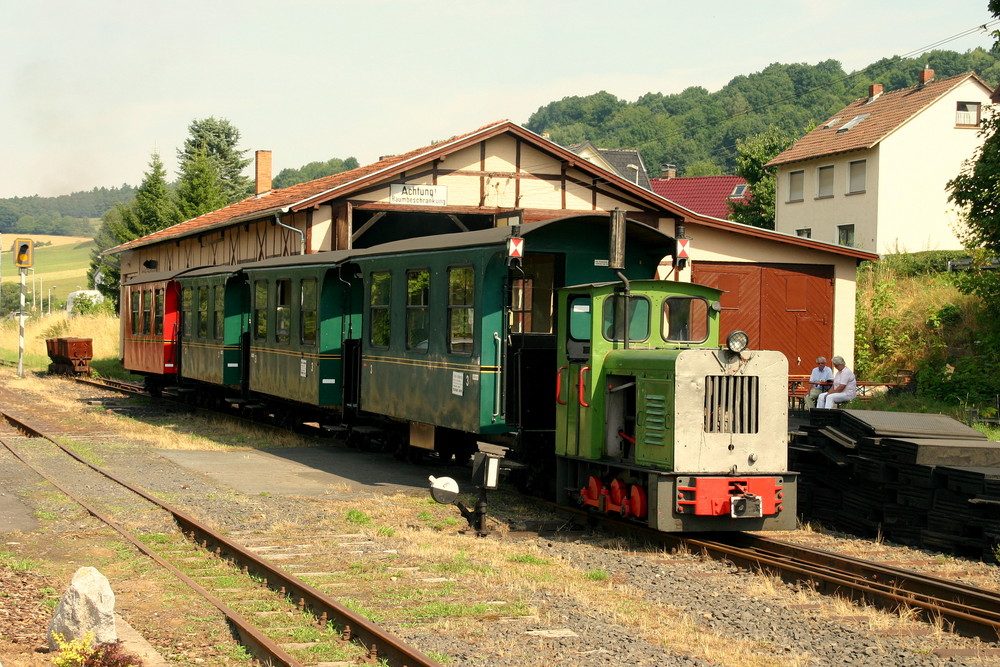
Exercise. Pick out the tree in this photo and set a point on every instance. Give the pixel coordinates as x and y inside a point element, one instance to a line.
<point>198,187</point>
<point>152,209</point>
<point>977,191</point>
<point>752,154</point>
<point>219,139</point>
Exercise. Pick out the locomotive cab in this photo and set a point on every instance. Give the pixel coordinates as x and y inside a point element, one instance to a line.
<point>659,423</point>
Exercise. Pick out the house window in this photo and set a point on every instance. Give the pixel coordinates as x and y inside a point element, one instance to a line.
<point>824,182</point>
<point>830,123</point>
<point>805,232</point>
<point>967,114</point>
<point>796,179</point>
<point>738,192</point>
<point>283,310</point>
<point>378,305</point>
<point>845,235</point>
<point>851,123</point>
<point>461,290</point>
<point>417,310</point>
<point>531,296</point>
<point>858,172</point>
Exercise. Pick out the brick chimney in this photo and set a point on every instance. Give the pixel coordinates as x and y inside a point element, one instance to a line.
<point>874,91</point>
<point>668,171</point>
<point>262,172</point>
<point>926,75</point>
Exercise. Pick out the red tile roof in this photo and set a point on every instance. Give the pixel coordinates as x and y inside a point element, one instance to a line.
<point>885,113</point>
<point>707,195</point>
<point>301,195</point>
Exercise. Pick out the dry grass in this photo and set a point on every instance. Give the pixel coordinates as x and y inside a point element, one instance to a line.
<point>103,330</point>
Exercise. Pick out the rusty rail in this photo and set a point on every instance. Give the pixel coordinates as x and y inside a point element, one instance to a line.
<point>380,644</point>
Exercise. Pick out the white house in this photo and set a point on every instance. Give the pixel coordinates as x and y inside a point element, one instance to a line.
<point>874,175</point>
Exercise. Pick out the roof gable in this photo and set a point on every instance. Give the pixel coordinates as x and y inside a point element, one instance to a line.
<point>865,122</point>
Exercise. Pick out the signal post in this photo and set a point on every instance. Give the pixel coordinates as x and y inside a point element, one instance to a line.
<point>24,259</point>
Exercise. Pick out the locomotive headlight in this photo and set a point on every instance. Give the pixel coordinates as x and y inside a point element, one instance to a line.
<point>737,341</point>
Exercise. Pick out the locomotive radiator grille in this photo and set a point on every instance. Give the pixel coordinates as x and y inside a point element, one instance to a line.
<point>732,404</point>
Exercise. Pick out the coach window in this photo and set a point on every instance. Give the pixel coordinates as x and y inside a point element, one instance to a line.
<point>135,302</point>
<point>461,293</point>
<point>307,325</point>
<point>618,319</point>
<point>379,308</point>
<point>283,310</point>
<point>219,306</point>
<point>187,302</point>
<point>531,295</point>
<point>260,309</point>
<point>417,312</point>
<point>158,312</point>
<point>147,311</point>
<point>685,319</point>
<point>203,312</point>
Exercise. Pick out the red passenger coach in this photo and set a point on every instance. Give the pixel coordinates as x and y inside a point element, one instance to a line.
<point>150,326</point>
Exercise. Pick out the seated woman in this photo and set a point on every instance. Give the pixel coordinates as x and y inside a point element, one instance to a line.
<point>845,386</point>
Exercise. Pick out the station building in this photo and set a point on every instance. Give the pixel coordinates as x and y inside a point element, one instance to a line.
<point>788,293</point>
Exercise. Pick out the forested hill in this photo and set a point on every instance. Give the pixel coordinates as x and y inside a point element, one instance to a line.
<point>694,129</point>
<point>697,130</point>
<point>75,214</point>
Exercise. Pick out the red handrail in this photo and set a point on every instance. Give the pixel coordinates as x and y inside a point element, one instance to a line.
<point>559,384</point>
<point>581,385</point>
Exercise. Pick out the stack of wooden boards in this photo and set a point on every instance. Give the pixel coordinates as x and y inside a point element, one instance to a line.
<point>919,479</point>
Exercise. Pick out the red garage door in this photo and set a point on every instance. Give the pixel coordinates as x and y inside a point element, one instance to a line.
<point>784,307</point>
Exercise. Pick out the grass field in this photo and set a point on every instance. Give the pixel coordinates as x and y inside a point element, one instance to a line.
<point>59,268</point>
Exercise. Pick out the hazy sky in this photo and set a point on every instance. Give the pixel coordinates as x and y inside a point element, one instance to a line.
<point>89,90</point>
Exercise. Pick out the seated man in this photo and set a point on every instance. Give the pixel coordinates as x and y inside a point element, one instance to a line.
<point>819,380</point>
<point>845,386</point>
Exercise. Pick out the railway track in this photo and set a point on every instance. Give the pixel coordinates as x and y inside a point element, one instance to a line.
<point>336,623</point>
<point>965,610</point>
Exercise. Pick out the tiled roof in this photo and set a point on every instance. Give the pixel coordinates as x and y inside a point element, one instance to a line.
<point>306,195</point>
<point>707,195</point>
<point>885,113</point>
<point>298,196</point>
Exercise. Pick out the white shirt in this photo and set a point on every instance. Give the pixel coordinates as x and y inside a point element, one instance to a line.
<point>824,375</point>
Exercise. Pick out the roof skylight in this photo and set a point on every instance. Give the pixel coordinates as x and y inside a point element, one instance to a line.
<point>851,123</point>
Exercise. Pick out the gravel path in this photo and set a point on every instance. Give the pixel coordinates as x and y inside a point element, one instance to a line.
<point>600,602</point>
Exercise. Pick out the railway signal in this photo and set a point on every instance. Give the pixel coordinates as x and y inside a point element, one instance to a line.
<point>24,253</point>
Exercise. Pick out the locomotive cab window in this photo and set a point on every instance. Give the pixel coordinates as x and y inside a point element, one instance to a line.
<point>623,314</point>
<point>378,307</point>
<point>417,311</point>
<point>307,325</point>
<point>260,309</point>
<point>282,310</point>
<point>461,291</point>
<point>685,319</point>
<point>187,303</point>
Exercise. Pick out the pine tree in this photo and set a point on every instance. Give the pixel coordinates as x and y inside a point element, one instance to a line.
<point>218,139</point>
<point>198,187</point>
